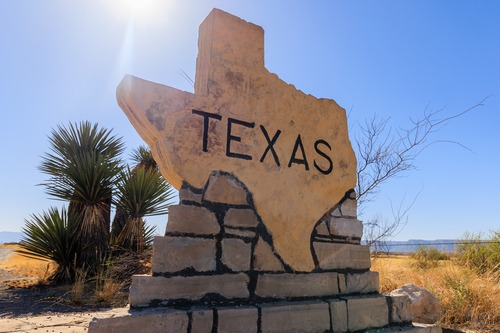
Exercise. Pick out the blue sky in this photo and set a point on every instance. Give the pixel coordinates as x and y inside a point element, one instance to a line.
<point>61,61</point>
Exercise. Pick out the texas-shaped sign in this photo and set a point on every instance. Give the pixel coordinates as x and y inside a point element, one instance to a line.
<point>290,149</point>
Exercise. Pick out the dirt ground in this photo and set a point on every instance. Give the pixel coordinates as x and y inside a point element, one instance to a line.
<point>28,309</point>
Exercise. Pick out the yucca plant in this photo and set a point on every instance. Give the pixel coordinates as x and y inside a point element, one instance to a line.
<point>143,158</point>
<point>83,166</point>
<point>50,236</point>
<point>140,193</point>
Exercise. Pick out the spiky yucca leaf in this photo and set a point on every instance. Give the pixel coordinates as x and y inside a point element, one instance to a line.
<point>141,192</point>
<point>143,157</point>
<point>83,165</point>
<point>149,234</point>
<point>51,236</point>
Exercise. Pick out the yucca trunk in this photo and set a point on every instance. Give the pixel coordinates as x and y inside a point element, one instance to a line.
<point>132,234</point>
<point>91,233</point>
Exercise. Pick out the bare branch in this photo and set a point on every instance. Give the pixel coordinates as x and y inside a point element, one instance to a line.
<point>186,77</point>
<point>384,154</point>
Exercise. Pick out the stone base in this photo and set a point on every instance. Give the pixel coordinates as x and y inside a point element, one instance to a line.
<point>246,288</point>
<point>345,314</point>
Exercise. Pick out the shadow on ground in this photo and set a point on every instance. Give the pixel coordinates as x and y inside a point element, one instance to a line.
<point>39,301</point>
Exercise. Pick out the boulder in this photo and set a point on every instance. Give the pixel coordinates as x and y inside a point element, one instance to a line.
<point>425,307</point>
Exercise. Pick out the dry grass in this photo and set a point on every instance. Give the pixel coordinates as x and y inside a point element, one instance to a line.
<point>108,290</point>
<point>37,270</point>
<point>468,301</point>
<point>103,290</point>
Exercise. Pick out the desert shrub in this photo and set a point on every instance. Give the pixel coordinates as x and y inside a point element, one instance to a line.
<point>82,167</point>
<point>51,236</point>
<point>122,267</point>
<point>480,255</point>
<point>428,257</point>
<point>469,300</point>
<point>78,288</point>
<point>85,169</point>
<point>106,289</point>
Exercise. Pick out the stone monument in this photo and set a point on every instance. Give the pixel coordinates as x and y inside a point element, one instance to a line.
<point>266,236</point>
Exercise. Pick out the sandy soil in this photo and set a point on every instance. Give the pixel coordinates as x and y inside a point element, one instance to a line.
<point>28,309</point>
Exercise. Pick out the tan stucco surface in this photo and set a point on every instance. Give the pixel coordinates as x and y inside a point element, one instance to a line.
<point>232,82</point>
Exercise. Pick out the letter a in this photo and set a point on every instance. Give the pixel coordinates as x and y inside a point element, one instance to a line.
<point>293,159</point>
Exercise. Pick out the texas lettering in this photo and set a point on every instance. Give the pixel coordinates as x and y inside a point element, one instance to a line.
<point>298,154</point>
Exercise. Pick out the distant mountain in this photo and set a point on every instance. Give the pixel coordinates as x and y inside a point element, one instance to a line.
<point>409,246</point>
<point>412,245</point>
<point>10,237</point>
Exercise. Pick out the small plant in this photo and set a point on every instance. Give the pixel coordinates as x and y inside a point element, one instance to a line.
<point>78,288</point>
<point>142,192</point>
<point>106,290</point>
<point>50,236</point>
<point>479,255</point>
<point>428,257</point>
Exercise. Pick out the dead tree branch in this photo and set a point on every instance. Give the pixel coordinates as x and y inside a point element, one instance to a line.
<point>384,154</point>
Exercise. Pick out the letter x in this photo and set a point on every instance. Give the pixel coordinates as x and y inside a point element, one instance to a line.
<point>270,144</point>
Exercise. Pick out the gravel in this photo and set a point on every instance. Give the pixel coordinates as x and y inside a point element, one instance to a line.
<point>5,253</point>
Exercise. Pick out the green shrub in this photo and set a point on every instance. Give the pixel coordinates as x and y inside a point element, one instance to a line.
<point>479,254</point>
<point>428,257</point>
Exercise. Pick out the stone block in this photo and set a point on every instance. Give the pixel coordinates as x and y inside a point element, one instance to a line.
<point>249,234</point>
<point>223,188</point>
<point>300,317</point>
<point>297,285</point>
<point>342,255</point>
<point>187,194</point>
<point>146,288</point>
<point>236,254</point>
<point>367,312</point>
<point>342,283</point>
<point>187,219</point>
<point>399,309</point>
<point>201,320</point>
<point>363,283</point>
<point>237,319</point>
<point>336,212</point>
<point>345,227</point>
<point>152,321</point>
<point>265,259</point>
<point>322,229</point>
<point>349,208</point>
<point>338,312</point>
<point>173,254</point>
<point>244,218</point>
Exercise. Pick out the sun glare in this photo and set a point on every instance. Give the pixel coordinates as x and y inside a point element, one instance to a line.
<point>142,12</point>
